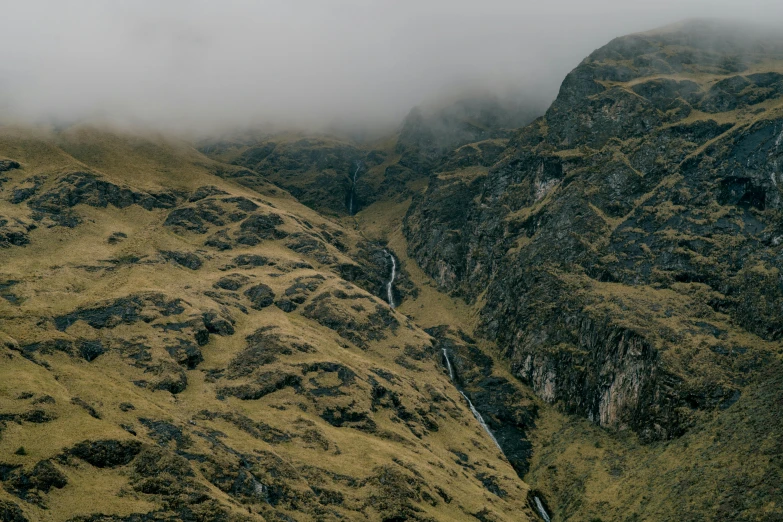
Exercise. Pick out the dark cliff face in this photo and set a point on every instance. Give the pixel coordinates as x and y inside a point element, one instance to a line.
<point>632,235</point>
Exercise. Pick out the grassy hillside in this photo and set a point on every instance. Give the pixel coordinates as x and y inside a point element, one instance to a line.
<point>179,347</point>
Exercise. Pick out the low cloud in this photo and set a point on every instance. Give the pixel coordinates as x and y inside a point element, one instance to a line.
<point>207,67</point>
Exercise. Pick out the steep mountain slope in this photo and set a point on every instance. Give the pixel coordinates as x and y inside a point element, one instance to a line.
<point>624,254</point>
<point>178,347</point>
<point>183,339</point>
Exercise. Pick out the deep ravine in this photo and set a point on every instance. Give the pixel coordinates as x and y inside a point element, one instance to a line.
<point>473,410</point>
<point>538,504</point>
<point>541,510</point>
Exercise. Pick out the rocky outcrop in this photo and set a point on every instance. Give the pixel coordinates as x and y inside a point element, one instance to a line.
<point>619,187</point>
<point>54,201</point>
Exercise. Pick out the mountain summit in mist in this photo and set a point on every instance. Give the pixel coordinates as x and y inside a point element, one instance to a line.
<point>494,312</point>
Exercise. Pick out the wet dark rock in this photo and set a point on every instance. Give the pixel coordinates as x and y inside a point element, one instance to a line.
<point>329,311</point>
<point>186,259</point>
<point>394,491</point>
<point>91,350</point>
<point>347,416</point>
<point>45,399</point>
<point>173,381</point>
<point>204,192</point>
<point>6,292</point>
<point>303,287</point>
<point>196,218</point>
<point>244,204</point>
<point>10,512</point>
<point>259,227</point>
<point>250,261</point>
<point>263,347</point>
<point>258,430</point>
<point>306,244</point>
<point>107,453</point>
<point>263,384</point>
<point>14,233</point>
<point>217,324</point>
<point>28,485</point>
<point>346,376</point>
<point>6,165</point>
<point>35,416</point>
<point>260,296</point>
<point>318,172</point>
<point>86,407</point>
<point>21,194</point>
<point>373,271</point>
<point>185,353</point>
<point>89,189</point>
<point>220,240</point>
<point>285,305</point>
<point>426,137</point>
<point>491,484</point>
<point>125,310</point>
<point>232,282</point>
<point>116,237</point>
<point>164,433</point>
<point>508,412</point>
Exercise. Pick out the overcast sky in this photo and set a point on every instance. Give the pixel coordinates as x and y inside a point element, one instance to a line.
<point>209,66</point>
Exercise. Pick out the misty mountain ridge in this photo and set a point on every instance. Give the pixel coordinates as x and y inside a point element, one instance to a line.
<point>495,312</point>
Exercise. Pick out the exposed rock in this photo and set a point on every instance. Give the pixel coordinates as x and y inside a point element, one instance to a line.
<point>259,227</point>
<point>125,310</point>
<point>232,282</point>
<point>14,233</point>
<point>611,187</point>
<point>116,237</point>
<point>89,189</point>
<point>107,453</point>
<point>263,384</point>
<point>91,350</point>
<point>204,192</point>
<point>186,259</point>
<point>332,310</point>
<point>6,165</point>
<point>260,296</point>
<point>86,407</point>
<point>41,479</point>
<point>217,324</point>
<point>10,512</point>
<point>250,261</point>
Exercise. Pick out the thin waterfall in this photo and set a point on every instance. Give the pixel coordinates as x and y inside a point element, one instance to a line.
<point>448,364</point>
<point>353,187</point>
<point>483,424</point>
<point>541,510</point>
<point>480,419</point>
<point>389,287</point>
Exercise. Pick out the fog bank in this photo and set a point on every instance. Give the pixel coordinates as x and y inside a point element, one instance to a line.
<point>207,67</point>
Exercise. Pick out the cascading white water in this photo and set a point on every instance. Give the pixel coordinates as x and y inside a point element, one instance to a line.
<point>541,510</point>
<point>389,288</point>
<point>480,420</point>
<point>448,364</point>
<point>353,187</point>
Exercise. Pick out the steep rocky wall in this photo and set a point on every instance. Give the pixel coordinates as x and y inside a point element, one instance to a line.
<point>657,167</point>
